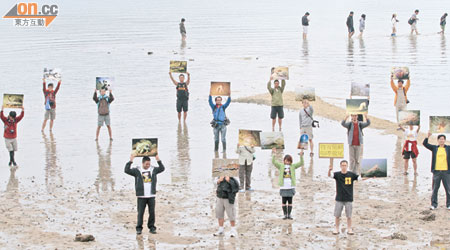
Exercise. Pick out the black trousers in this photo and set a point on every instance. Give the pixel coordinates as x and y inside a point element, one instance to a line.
<point>141,204</point>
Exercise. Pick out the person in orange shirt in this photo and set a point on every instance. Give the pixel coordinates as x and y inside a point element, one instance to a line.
<point>401,99</point>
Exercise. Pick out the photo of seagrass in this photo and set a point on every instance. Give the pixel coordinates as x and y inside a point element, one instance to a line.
<point>220,89</point>
<point>225,167</point>
<point>356,106</point>
<point>440,124</point>
<point>178,66</point>
<point>360,89</point>
<point>12,100</point>
<point>374,168</point>
<point>400,72</point>
<point>271,140</point>
<point>280,73</point>
<point>409,117</point>
<point>144,147</point>
<point>104,83</point>
<point>305,93</point>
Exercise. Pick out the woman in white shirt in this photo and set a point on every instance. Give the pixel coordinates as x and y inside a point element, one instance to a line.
<point>394,22</point>
<point>410,150</point>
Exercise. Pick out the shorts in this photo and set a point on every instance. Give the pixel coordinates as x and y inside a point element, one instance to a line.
<point>413,26</point>
<point>277,111</point>
<point>222,206</point>
<point>305,29</point>
<point>351,29</point>
<point>104,119</point>
<point>11,144</point>
<point>308,131</point>
<point>287,192</point>
<point>443,27</point>
<point>183,34</point>
<point>50,114</point>
<point>361,30</point>
<point>182,105</point>
<point>340,206</point>
<point>408,155</point>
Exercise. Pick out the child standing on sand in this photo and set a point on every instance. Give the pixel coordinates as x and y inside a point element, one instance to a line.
<point>286,181</point>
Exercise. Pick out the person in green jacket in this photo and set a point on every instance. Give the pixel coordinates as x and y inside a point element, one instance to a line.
<point>277,101</point>
<point>286,181</point>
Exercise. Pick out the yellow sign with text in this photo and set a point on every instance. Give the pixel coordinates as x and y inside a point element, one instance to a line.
<point>331,150</point>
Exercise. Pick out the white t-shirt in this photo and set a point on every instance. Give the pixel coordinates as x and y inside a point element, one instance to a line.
<point>287,183</point>
<point>410,135</point>
<point>394,22</point>
<point>147,180</point>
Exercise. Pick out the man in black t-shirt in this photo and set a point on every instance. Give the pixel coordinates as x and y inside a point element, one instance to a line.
<point>182,94</point>
<point>344,194</point>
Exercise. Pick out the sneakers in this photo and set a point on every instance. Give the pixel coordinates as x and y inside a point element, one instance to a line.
<point>219,232</point>
<point>241,190</point>
<point>432,208</point>
<point>448,208</point>
<point>139,231</point>
<point>250,190</point>
<point>10,163</point>
<point>153,230</point>
<point>233,232</point>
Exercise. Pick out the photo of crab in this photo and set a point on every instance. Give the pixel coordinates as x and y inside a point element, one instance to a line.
<point>409,117</point>
<point>305,93</point>
<point>52,75</point>
<point>400,72</point>
<point>104,83</point>
<point>178,66</point>
<point>12,101</point>
<point>356,106</point>
<point>225,167</point>
<point>220,89</point>
<point>440,124</point>
<point>374,168</point>
<point>280,73</point>
<point>249,138</point>
<point>271,140</point>
<point>144,147</point>
<point>360,89</point>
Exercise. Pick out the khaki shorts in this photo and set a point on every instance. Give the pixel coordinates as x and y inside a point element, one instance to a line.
<point>11,144</point>
<point>340,206</point>
<point>308,130</point>
<point>223,206</point>
<point>50,114</point>
<point>104,119</point>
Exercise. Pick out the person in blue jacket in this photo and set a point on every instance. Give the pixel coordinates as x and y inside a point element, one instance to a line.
<point>220,121</point>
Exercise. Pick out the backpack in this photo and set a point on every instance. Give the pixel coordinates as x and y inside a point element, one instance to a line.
<point>410,21</point>
<point>103,106</point>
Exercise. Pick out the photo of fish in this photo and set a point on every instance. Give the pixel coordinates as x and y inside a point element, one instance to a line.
<point>144,147</point>
<point>104,83</point>
<point>400,72</point>
<point>280,73</point>
<point>374,168</point>
<point>52,75</point>
<point>225,167</point>
<point>249,138</point>
<point>305,93</point>
<point>12,101</point>
<point>357,106</point>
<point>360,89</point>
<point>220,89</point>
<point>409,117</point>
<point>178,66</point>
<point>271,140</point>
<point>440,124</point>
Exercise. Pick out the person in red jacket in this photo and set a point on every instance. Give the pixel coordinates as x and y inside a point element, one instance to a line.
<point>50,103</point>
<point>10,133</point>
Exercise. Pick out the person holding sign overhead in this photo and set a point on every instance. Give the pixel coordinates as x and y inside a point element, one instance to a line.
<point>103,102</point>
<point>145,187</point>
<point>10,132</point>
<point>277,101</point>
<point>410,150</point>
<point>50,103</point>
<point>220,121</point>
<point>355,140</point>
<point>182,94</point>
<point>401,100</point>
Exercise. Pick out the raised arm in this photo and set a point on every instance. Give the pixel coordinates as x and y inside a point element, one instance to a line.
<point>330,168</point>
<point>95,98</point>
<point>300,163</point>
<point>418,129</point>
<point>189,78</point>
<point>130,171</point>
<point>227,103</point>
<point>160,167</point>
<point>408,84</point>
<point>365,124</point>
<point>394,88</point>
<point>44,87</point>
<point>276,163</point>
<point>211,104</point>
<point>3,116</point>
<point>111,97</point>
<point>269,87</point>
<point>20,117</point>
<point>173,80</point>
<point>57,87</point>
<point>283,84</point>
<point>426,144</point>
<point>345,124</point>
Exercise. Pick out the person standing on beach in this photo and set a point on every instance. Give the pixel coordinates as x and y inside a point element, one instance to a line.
<point>10,133</point>
<point>305,24</point>
<point>413,22</point>
<point>277,101</point>
<point>344,195</point>
<point>362,25</point>
<point>440,167</point>
<point>401,99</point>
<point>227,187</point>
<point>355,140</point>
<point>350,27</point>
<point>182,29</point>
<point>220,121</point>
<point>182,94</point>
<point>394,22</point>
<point>50,103</point>
<point>286,181</point>
<point>410,150</point>
<point>245,166</point>
<point>103,102</point>
<point>306,120</point>
<point>442,23</point>
<point>145,180</point>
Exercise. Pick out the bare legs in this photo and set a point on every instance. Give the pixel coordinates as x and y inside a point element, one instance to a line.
<point>414,160</point>
<point>109,132</point>
<point>184,115</point>
<point>45,124</point>
<point>349,225</point>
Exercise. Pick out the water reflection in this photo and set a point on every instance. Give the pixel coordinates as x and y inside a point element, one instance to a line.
<point>13,183</point>
<point>182,167</point>
<point>413,42</point>
<point>141,245</point>
<point>53,172</point>
<point>305,49</point>
<point>394,45</point>
<point>104,180</point>
<point>443,49</point>
<point>362,50</point>
<point>350,53</point>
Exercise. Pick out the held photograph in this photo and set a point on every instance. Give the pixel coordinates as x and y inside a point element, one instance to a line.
<point>104,83</point>
<point>280,73</point>
<point>220,89</point>
<point>249,138</point>
<point>400,73</point>
<point>305,93</point>
<point>52,75</point>
<point>409,117</point>
<point>357,106</point>
<point>13,101</point>
<point>360,89</point>
<point>373,168</point>
<point>225,167</point>
<point>144,147</point>
<point>271,140</point>
<point>440,124</point>
<point>178,66</point>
